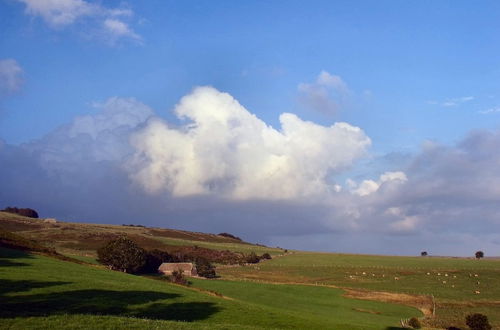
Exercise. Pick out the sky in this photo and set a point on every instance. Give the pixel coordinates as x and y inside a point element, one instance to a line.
<point>346,126</point>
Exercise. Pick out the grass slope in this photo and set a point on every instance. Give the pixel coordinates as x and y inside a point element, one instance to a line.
<point>452,281</point>
<point>42,292</point>
<point>318,307</point>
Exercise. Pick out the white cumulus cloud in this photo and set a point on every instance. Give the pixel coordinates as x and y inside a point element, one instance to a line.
<point>366,187</point>
<point>226,150</point>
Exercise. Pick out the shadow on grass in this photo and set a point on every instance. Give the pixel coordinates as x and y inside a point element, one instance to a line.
<point>7,254</point>
<point>395,328</point>
<point>148,304</point>
<point>7,286</point>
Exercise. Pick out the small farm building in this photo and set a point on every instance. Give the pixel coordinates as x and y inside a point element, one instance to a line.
<point>187,268</point>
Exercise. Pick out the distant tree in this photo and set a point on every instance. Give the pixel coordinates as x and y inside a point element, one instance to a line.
<point>265,256</point>
<point>477,322</point>
<point>479,254</point>
<point>122,254</point>
<point>423,253</point>
<point>26,212</point>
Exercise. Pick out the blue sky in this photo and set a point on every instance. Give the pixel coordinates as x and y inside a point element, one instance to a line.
<point>412,75</point>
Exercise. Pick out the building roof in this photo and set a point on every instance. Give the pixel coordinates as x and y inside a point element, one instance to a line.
<point>171,266</point>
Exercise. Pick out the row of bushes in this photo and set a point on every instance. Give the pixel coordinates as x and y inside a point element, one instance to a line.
<point>474,321</point>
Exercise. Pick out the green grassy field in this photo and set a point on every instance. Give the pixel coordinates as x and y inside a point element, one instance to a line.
<point>41,292</point>
<point>452,281</point>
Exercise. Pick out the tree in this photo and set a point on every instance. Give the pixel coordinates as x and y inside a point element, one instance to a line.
<point>154,259</point>
<point>477,322</point>
<point>27,212</point>
<point>423,253</point>
<point>122,254</point>
<point>204,268</point>
<point>479,254</point>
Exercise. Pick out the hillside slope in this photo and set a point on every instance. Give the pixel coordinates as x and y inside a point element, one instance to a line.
<point>83,239</point>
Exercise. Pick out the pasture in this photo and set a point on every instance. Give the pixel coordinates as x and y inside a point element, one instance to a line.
<point>42,292</point>
<point>454,282</point>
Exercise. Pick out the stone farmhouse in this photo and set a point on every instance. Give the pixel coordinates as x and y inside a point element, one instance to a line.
<point>187,268</point>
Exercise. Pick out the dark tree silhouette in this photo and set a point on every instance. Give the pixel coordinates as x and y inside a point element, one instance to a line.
<point>204,268</point>
<point>477,322</point>
<point>122,254</point>
<point>30,213</point>
<point>479,254</point>
<point>423,253</point>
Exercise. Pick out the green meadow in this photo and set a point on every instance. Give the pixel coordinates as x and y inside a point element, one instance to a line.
<point>42,292</point>
<point>459,285</point>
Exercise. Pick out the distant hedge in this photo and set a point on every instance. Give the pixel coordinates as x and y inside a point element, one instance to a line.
<point>230,236</point>
<point>26,212</point>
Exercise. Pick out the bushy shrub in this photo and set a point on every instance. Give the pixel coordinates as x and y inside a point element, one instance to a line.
<point>30,213</point>
<point>479,254</point>
<point>122,254</point>
<point>252,258</point>
<point>178,277</point>
<point>204,268</point>
<point>230,236</point>
<point>423,253</point>
<point>414,323</point>
<point>477,322</point>
<point>265,256</point>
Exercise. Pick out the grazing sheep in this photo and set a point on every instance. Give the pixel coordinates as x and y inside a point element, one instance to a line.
<point>396,278</point>
<point>454,276</point>
<point>478,282</point>
<point>445,274</point>
<point>364,273</point>
<point>444,282</point>
<point>439,274</point>
<point>428,273</point>
<point>452,285</point>
<point>477,292</point>
<point>475,275</point>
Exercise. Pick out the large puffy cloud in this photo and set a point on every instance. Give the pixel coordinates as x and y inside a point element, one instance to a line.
<point>61,13</point>
<point>10,76</point>
<point>226,170</point>
<point>226,150</point>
